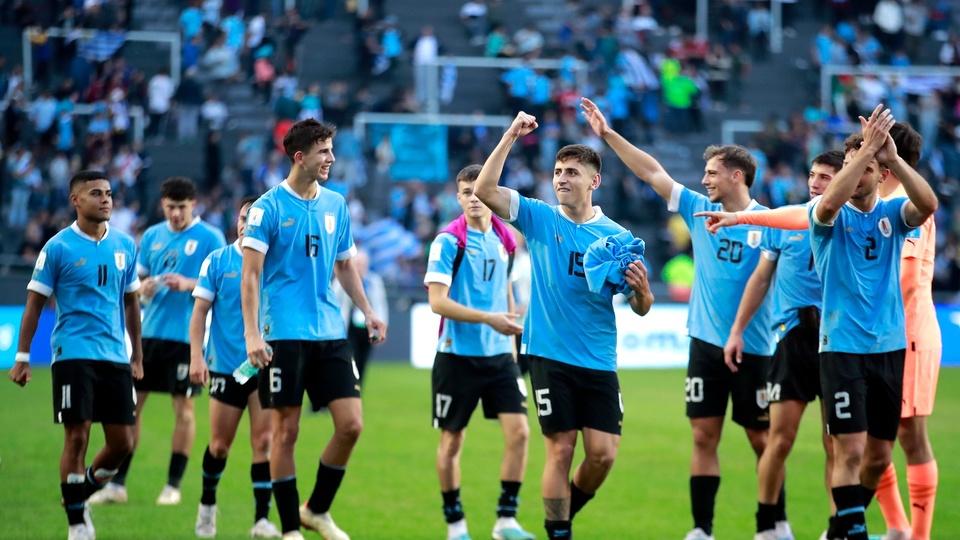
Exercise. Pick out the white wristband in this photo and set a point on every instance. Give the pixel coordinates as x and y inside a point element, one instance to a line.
<point>22,357</point>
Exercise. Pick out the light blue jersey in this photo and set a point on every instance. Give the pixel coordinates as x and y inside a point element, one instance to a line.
<point>89,279</point>
<point>858,259</point>
<point>565,321</point>
<point>724,263</point>
<point>219,284</point>
<point>301,240</point>
<point>480,283</point>
<point>796,283</point>
<point>163,251</point>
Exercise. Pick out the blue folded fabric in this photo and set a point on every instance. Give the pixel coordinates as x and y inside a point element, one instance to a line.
<point>607,259</point>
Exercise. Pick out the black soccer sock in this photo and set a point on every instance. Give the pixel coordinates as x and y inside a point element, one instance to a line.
<point>90,483</point>
<point>262,489</point>
<point>766,517</point>
<point>212,469</point>
<point>328,482</point>
<point>288,503</point>
<point>509,499</point>
<point>867,495</point>
<point>452,509</point>
<point>703,497</point>
<point>121,477</point>
<point>578,499</point>
<point>558,529</point>
<point>851,519</point>
<point>782,502</point>
<point>178,464</point>
<point>73,497</point>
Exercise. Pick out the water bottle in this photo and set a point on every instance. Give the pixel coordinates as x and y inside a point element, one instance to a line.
<point>247,370</point>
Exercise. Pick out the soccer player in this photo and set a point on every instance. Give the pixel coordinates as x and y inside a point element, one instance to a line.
<point>298,236</point>
<point>91,270</point>
<point>468,278</point>
<point>794,378</point>
<point>723,264</point>
<point>573,359</point>
<point>170,258</point>
<point>218,288</point>
<point>921,366</point>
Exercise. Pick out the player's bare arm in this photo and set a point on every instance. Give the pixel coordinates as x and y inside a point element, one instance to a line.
<point>199,372</point>
<point>486,189</point>
<point>347,274</point>
<point>131,313</point>
<point>641,163</point>
<point>844,184</point>
<point>636,276</point>
<point>443,305</point>
<point>250,306</point>
<point>790,218</point>
<point>753,294</point>
<point>923,201</point>
<point>179,283</point>
<point>21,372</point>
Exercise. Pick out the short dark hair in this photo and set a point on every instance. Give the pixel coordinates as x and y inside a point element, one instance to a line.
<point>852,142</point>
<point>178,188</point>
<point>304,134</point>
<point>734,157</point>
<point>88,175</point>
<point>909,143</point>
<point>249,199</point>
<point>830,158</point>
<point>469,173</point>
<point>582,153</point>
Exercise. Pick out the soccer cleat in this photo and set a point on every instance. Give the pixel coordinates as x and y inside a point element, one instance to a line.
<point>79,532</point>
<point>698,534</point>
<point>783,530</point>
<point>769,534</point>
<point>510,529</point>
<point>88,521</point>
<point>263,528</point>
<point>321,523</point>
<point>896,534</point>
<point>169,496</point>
<point>293,535</point>
<point>824,536</point>
<point>111,493</point>
<point>206,521</point>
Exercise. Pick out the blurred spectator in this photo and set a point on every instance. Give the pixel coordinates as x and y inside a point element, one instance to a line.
<point>188,98</point>
<point>220,63</point>
<point>160,91</point>
<point>888,18</point>
<point>214,112</point>
<point>473,17</point>
<point>426,49</point>
<point>528,40</point>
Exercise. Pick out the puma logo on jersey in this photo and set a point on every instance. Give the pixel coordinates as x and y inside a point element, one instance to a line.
<point>231,275</point>
<point>156,246</point>
<point>287,223</point>
<point>922,507</point>
<point>81,262</point>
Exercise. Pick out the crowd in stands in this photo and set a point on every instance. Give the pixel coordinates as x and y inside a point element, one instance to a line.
<point>648,75</point>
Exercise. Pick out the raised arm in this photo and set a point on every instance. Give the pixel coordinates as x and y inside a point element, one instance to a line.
<point>486,189</point>
<point>641,163</point>
<point>753,295</point>
<point>923,201</point>
<point>790,218</point>
<point>844,184</point>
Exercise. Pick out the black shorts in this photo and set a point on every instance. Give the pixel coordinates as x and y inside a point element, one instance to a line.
<point>570,397</point>
<point>93,390</point>
<point>710,384</point>
<point>863,392</point>
<point>166,368</point>
<point>459,382</point>
<point>225,389</point>
<point>795,368</point>
<point>324,369</point>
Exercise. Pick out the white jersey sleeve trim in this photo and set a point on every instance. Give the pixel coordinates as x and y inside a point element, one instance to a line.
<point>813,215</point>
<point>204,294</point>
<point>348,254</point>
<point>769,255</point>
<point>142,270</point>
<point>255,244</point>
<point>40,288</point>
<point>903,215</point>
<point>134,286</point>
<point>674,203</point>
<point>514,206</point>
<point>437,277</point>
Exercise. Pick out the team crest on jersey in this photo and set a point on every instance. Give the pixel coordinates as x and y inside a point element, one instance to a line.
<point>503,253</point>
<point>329,222</point>
<point>120,260</point>
<point>753,238</point>
<point>885,228</point>
<point>191,247</point>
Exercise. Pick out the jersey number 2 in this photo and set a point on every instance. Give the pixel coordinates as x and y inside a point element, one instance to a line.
<point>870,251</point>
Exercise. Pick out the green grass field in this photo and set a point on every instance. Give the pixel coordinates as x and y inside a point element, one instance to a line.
<point>391,492</point>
